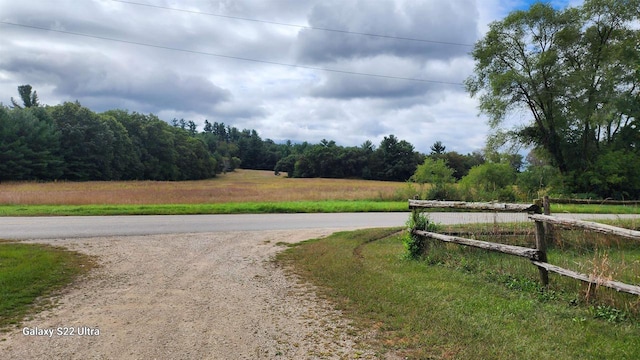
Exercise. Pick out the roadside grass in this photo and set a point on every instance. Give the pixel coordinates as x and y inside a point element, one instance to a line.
<point>257,207</point>
<point>460,303</point>
<point>329,206</point>
<point>30,274</point>
<point>594,209</point>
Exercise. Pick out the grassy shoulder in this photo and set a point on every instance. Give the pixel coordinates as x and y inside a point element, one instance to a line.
<point>329,206</point>
<point>326,206</point>
<point>425,310</point>
<point>29,273</point>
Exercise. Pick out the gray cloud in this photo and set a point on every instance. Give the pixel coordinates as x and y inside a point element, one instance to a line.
<point>453,21</point>
<point>280,102</point>
<point>104,82</point>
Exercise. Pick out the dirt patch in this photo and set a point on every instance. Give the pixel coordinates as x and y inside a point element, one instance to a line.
<point>190,296</point>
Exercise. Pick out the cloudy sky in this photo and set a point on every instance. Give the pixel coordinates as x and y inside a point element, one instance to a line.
<point>302,70</point>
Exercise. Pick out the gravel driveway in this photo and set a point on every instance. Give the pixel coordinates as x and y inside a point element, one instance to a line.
<point>187,296</point>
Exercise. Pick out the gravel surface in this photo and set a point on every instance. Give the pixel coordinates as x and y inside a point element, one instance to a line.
<point>188,296</point>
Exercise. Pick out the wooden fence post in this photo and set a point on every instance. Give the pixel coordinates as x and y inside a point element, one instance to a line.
<point>414,214</point>
<point>548,228</point>
<point>541,245</point>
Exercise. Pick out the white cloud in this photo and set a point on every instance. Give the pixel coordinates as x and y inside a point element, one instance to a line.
<point>280,102</point>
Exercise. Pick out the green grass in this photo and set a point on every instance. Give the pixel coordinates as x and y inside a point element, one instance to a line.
<point>29,273</point>
<point>188,209</point>
<point>328,206</point>
<point>594,209</point>
<point>454,308</point>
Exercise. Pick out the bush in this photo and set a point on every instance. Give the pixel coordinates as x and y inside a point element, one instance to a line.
<point>444,192</point>
<point>489,181</point>
<point>414,244</point>
<point>539,180</point>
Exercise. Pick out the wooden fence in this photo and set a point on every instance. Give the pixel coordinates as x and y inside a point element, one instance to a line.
<point>543,227</point>
<point>596,202</point>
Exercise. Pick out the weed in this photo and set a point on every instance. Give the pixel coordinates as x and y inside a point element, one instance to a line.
<point>608,313</point>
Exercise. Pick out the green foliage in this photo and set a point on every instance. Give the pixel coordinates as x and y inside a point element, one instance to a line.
<point>461,164</point>
<point>86,142</point>
<point>29,145</point>
<point>29,98</point>
<point>417,245</point>
<point>489,181</point>
<point>439,175</point>
<point>614,174</point>
<point>608,313</point>
<point>396,160</point>
<point>575,71</point>
<point>434,172</point>
<point>539,180</point>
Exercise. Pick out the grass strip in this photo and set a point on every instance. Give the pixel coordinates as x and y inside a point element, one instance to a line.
<point>594,209</point>
<point>423,311</point>
<point>328,206</point>
<point>30,272</point>
<point>215,208</point>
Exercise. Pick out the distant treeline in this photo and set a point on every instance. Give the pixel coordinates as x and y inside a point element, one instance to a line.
<point>71,142</point>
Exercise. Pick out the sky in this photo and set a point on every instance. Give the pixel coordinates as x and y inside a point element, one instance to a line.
<point>299,70</point>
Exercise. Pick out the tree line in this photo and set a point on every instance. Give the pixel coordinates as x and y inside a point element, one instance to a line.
<point>71,142</point>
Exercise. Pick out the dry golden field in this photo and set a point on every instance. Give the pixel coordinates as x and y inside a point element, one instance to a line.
<point>238,186</point>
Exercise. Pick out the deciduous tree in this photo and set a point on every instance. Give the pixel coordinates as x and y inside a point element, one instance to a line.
<point>574,70</point>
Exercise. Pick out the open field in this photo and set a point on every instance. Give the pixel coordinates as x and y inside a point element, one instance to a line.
<point>239,192</point>
<point>238,186</point>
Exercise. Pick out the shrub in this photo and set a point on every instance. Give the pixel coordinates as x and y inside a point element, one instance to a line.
<point>539,180</point>
<point>414,244</point>
<point>489,181</point>
<point>439,175</point>
<point>444,192</point>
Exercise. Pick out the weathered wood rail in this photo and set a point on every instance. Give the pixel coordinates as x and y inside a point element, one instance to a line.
<point>619,286</point>
<point>529,253</point>
<point>594,202</point>
<point>538,256</point>
<point>588,225</point>
<point>475,206</point>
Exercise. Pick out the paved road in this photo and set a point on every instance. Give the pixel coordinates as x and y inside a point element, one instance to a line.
<point>88,226</point>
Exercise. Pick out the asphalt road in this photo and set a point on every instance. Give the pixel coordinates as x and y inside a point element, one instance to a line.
<point>22,228</point>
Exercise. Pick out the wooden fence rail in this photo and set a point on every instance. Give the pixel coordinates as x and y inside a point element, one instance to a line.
<point>476,206</point>
<point>538,256</point>
<point>588,225</point>
<point>531,254</point>
<point>631,289</point>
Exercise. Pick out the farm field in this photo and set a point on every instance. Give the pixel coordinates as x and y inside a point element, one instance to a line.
<point>238,186</point>
<point>239,192</point>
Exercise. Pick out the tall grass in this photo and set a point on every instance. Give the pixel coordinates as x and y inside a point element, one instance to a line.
<point>598,255</point>
<point>238,186</point>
